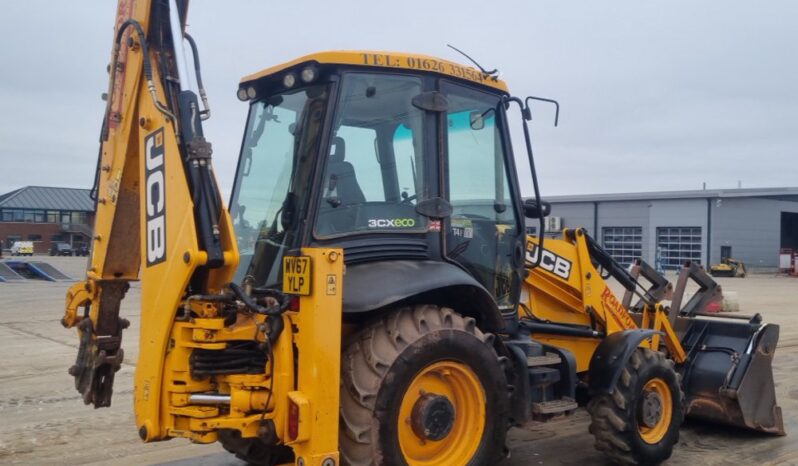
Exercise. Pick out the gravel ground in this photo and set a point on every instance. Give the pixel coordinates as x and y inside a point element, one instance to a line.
<point>43,420</point>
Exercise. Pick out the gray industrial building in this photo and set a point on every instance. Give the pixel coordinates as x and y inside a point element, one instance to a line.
<point>669,228</point>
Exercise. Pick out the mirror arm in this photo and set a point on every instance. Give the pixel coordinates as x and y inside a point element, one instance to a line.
<point>543,99</point>
<point>527,115</point>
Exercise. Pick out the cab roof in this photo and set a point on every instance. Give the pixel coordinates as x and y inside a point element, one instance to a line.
<point>393,60</point>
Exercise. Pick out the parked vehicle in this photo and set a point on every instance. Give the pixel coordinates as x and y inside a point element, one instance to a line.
<point>22,248</point>
<point>81,250</point>
<point>61,249</point>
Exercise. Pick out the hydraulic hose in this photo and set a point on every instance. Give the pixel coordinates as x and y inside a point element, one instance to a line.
<point>257,308</point>
<point>146,68</point>
<point>206,113</point>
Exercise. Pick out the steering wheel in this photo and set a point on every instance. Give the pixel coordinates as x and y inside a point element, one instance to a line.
<point>408,199</point>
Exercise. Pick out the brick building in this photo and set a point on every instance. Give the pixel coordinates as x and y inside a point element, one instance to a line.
<point>45,215</point>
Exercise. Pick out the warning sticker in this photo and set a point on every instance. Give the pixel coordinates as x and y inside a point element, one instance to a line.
<point>332,285</point>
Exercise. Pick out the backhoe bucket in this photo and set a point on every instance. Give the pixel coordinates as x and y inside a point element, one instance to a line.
<point>728,377</point>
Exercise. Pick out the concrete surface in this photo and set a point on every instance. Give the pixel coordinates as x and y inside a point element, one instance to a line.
<point>44,421</point>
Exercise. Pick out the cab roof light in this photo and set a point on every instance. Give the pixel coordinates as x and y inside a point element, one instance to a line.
<point>289,80</point>
<point>309,74</point>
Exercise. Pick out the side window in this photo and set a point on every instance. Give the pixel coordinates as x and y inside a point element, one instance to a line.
<point>483,230</point>
<point>477,177</point>
<point>361,155</point>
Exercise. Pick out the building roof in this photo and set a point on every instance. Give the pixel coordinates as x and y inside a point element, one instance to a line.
<point>786,194</point>
<point>49,198</point>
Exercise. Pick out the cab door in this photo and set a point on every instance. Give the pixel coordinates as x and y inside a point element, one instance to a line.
<point>483,234</point>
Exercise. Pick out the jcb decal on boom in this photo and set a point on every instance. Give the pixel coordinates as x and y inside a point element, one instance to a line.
<point>551,262</point>
<point>155,197</point>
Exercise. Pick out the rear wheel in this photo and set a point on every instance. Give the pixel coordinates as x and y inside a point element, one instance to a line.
<point>422,386</point>
<point>253,450</point>
<point>639,422</point>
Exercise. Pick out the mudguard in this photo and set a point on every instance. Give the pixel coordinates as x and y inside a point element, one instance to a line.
<point>375,285</point>
<point>610,358</point>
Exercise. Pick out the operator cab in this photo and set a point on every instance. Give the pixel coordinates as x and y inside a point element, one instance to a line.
<point>393,157</point>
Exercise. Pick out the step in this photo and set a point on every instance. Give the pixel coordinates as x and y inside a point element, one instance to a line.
<point>554,406</point>
<point>547,360</point>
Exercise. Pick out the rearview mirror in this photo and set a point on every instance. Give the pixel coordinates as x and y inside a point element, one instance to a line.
<point>477,120</point>
<point>532,210</point>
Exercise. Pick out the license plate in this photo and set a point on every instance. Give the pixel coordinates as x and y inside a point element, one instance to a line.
<point>296,275</point>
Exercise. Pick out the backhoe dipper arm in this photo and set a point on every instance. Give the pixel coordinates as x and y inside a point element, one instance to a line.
<point>159,216</point>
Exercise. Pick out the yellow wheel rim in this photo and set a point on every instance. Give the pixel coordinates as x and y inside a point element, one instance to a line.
<point>659,410</point>
<point>460,387</point>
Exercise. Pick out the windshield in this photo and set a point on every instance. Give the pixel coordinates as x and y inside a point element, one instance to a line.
<point>272,182</point>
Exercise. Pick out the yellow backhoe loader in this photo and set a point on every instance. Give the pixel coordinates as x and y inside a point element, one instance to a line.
<point>359,301</point>
<point>728,267</point>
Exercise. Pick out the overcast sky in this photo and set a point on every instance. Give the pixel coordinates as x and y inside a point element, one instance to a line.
<point>655,95</point>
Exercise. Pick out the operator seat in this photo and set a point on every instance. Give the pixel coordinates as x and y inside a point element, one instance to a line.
<point>341,182</point>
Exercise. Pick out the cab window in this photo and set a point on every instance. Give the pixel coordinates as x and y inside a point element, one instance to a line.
<point>374,171</point>
<point>483,230</point>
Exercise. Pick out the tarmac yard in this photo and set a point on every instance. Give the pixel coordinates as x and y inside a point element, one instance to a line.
<point>44,421</point>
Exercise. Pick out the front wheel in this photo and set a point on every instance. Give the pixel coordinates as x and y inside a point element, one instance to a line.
<point>639,422</point>
<point>422,386</point>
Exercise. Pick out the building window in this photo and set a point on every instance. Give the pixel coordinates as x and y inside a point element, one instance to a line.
<point>532,231</point>
<point>38,216</point>
<point>677,245</point>
<point>34,237</point>
<point>624,244</point>
<point>8,215</point>
<point>79,218</point>
<point>56,238</point>
<point>52,217</point>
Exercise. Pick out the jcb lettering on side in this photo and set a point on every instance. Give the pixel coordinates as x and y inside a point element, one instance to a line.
<point>551,262</point>
<point>155,197</point>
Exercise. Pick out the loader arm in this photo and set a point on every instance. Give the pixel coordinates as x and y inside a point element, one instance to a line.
<point>725,361</point>
<point>567,289</point>
<point>159,216</point>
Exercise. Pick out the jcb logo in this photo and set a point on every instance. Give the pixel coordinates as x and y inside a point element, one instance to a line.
<point>553,263</point>
<point>392,223</point>
<point>155,197</point>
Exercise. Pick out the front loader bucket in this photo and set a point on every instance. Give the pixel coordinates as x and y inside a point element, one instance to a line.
<point>728,377</point>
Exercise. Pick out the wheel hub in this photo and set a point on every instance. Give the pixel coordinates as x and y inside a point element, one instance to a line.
<point>651,409</point>
<point>432,417</point>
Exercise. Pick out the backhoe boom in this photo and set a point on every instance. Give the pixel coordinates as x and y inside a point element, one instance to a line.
<point>159,214</point>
